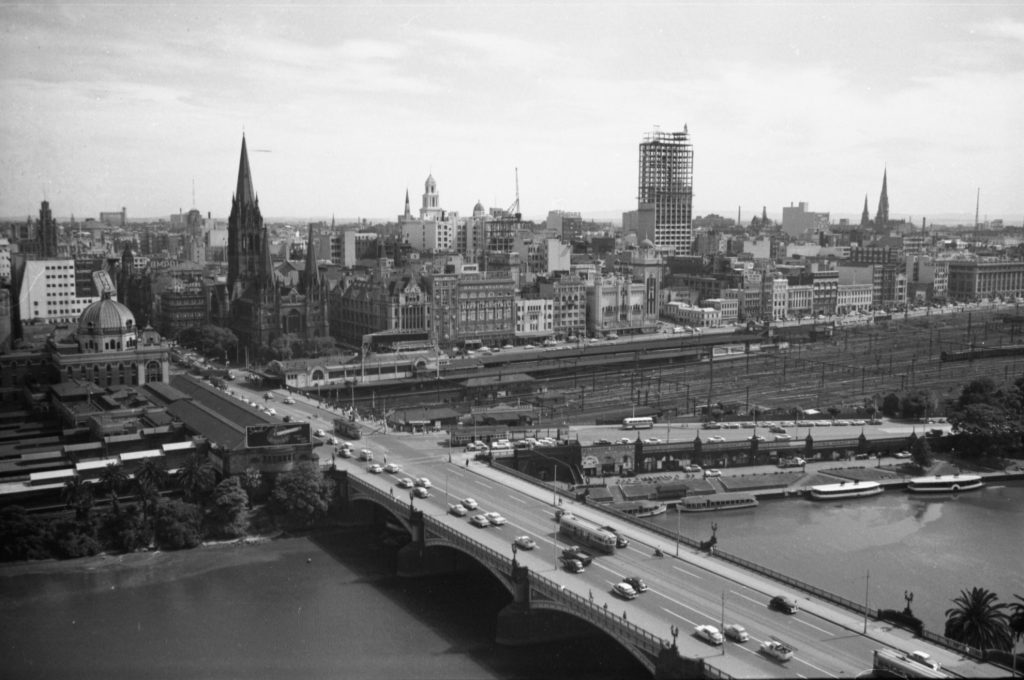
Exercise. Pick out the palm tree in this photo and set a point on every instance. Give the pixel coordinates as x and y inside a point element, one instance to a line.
<point>77,494</point>
<point>150,479</point>
<point>114,479</point>
<point>196,477</point>
<point>979,620</point>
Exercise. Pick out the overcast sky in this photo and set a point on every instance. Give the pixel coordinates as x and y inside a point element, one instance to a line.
<point>344,108</point>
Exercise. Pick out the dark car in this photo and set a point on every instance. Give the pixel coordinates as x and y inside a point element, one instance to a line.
<point>777,429</point>
<point>574,553</point>
<point>620,540</point>
<point>572,566</point>
<point>781,603</point>
<point>637,583</point>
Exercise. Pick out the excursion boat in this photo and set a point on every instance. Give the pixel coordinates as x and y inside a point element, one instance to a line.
<point>944,483</point>
<point>641,508</point>
<point>717,501</point>
<point>857,489</point>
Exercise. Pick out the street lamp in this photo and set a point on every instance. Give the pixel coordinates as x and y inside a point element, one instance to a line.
<point>515,549</point>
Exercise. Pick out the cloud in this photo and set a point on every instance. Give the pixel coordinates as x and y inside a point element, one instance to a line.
<point>1002,28</point>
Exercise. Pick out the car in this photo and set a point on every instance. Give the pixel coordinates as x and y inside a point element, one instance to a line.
<point>375,469</point>
<point>902,454</point>
<point>457,510</point>
<point>271,412</point>
<point>424,482</point>
<point>747,424</point>
<point>286,418</point>
<point>861,456</point>
<point>624,590</point>
<point>923,658</point>
<point>788,423</point>
<point>330,440</point>
<point>319,433</point>
<point>572,566</point>
<point>776,650</point>
<point>365,454</point>
<point>636,582</point>
<point>857,422</point>
<point>479,521</point>
<point>602,442</point>
<point>731,426</point>
<point>268,395</point>
<point>420,492</point>
<point>756,437</point>
<point>652,440</point>
<point>841,423</point>
<point>783,603</point>
<point>525,543</point>
<point>470,504</point>
<point>289,400</point>
<point>716,438</point>
<point>777,430</point>
<point>712,426</point>
<point>874,421</point>
<point>736,632</point>
<point>345,453</point>
<point>709,634</point>
<point>712,472</point>
<point>625,440</point>
<point>783,437</point>
<point>405,483</point>
<point>805,423</point>
<point>692,468</point>
<point>495,518</point>
<point>574,552</point>
<point>392,467</point>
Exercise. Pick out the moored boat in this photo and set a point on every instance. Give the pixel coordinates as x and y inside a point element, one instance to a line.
<point>641,508</point>
<point>944,483</point>
<point>717,501</point>
<point>856,489</point>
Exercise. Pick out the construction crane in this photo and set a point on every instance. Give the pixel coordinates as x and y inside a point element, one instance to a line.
<point>514,208</point>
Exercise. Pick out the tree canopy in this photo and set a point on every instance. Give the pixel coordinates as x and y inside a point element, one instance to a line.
<point>211,340</point>
<point>988,418</point>
<point>302,494</point>
<point>978,620</point>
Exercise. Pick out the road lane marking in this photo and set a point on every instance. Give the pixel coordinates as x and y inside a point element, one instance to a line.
<point>486,486</point>
<point>519,500</point>
<point>688,573</point>
<point>821,630</point>
<point>680,616</point>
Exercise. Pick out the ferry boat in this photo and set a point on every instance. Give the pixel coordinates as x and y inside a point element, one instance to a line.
<point>857,489</point>
<point>944,483</point>
<point>641,508</point>
<point>717,501</point>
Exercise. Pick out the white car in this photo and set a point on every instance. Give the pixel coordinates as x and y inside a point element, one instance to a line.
<point>776,650</point>
<point>376,469</point>
<point>479,521</point>
<point>420,492</point>
<point>470,504</point>
<point>712,472</point>
<point>524,542</point>
<point>423,482</point>
<point>716,438</point>
<point>783,437</point>
<point>392,467</point>
<point>902,454</point>
<point>457,510</point>
<point>320,433</point>
<point>271,412</point>
<point>495,518</point>
<point>405,483</point>
<point>289,400</point>
<point>624,590</point>
<point>652,440</point>
<point>709,634</point>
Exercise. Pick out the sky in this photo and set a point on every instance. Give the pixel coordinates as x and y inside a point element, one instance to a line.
<point>345,106</point>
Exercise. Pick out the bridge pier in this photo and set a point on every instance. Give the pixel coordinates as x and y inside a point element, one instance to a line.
<point>520,624</point>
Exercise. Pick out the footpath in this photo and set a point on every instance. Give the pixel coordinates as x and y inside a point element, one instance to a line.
<point>882,632</point>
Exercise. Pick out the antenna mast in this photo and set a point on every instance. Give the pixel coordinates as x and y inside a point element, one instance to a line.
<point>977,206</point>
<point>514,208</point>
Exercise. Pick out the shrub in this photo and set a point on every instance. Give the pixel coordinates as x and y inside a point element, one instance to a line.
<point>178,525</point>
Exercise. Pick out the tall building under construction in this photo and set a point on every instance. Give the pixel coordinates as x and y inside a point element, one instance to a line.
<point>665,210</point>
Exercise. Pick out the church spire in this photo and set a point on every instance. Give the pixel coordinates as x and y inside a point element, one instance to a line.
<point>312,271</point>
<point>882,218</point>
<point>266,270</point>
<point>408,208</point>
<point>244,193</point>
<point>865,217</point>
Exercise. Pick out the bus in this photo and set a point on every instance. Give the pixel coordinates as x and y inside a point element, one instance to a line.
<point>637,423</point>
<point>892,664</point>
<point>578,531</point>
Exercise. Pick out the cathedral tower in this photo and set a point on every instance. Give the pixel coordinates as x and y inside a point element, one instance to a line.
<point>245,232</point>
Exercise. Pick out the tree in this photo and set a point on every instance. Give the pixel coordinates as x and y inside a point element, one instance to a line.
<point>319,346</point>
<point>178,525</point>
<point>978,620</point>
<point>196,477</point>
<point>283,346</point>
<point>891,405</point>
<point>834,411</point>
<point>252,480</point>
<point>988,418</point>
<point>1017,618</point>
<point>921,451</point>
<point>77,495</point>
<point>917,404</point>
<point>22,536</point>
<point>211,340</point>
<point>113,478</point>
<point>302,494</point>
<point>126,531</point>
<point>227,514</point>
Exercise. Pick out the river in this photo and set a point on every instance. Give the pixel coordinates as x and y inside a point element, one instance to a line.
<point>930,546</point>
<point>329,606</point>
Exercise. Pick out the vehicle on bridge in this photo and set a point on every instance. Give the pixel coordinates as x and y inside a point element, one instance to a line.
<point>889,663</point>
<point>525,543</point>
<point>636,582</point>
<point>480,521</point>
<point>620,540</point>
<point>457,510</point>
<point>405,483</point>
<point>495,518</point>
<point>784,603</point>
<point>709,634</point>
<point>624,590</point>
<point>347,428</point>
<point>376,469</point>
<point>638,423</point>
<point>572,566</point>
<point>392,467</point>
<point>581,532</point>
<point>776,650</point>
<point>470,504</point>
<point>420,492</point>
<point>736,632</point>
<point>574,553</point>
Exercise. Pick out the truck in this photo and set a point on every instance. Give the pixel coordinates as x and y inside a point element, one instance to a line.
<point>889,663</point>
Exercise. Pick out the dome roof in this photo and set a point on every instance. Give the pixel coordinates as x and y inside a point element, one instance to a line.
<point>646,243</point>
<point>106,316</point>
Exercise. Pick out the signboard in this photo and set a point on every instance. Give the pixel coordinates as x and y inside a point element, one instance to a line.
<point>278,434</point>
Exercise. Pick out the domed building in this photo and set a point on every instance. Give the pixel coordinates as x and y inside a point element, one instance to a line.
<point>110,350</point>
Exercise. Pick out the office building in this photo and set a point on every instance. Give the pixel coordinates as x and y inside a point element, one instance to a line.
<point>666,190</point>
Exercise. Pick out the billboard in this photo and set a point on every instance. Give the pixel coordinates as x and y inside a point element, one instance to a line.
<point>85,284</point>
<point>277,434</point>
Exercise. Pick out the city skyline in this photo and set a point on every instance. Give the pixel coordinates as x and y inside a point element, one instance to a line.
<point>107,106</point>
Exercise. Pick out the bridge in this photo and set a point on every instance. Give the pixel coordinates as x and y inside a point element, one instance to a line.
<point>542,610</point>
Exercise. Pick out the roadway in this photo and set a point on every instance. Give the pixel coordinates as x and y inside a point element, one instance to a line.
<point>686,590</point>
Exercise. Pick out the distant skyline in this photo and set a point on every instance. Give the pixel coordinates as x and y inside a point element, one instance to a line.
<point>346,107</point>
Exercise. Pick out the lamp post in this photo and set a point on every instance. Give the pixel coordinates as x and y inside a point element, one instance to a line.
<point>412,497</point>
<point>515,549</point>
<point>678,513</point>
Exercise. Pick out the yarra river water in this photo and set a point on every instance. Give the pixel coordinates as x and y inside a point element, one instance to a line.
<point>267,611</point>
